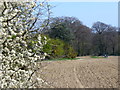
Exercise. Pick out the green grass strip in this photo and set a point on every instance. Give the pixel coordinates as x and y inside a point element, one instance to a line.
<point>98,57</point>
<point>61,59</point>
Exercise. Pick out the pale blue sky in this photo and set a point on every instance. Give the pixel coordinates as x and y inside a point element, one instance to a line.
<point>88,12</point>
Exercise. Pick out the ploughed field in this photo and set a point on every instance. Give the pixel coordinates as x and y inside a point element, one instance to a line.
<point>85,72</point>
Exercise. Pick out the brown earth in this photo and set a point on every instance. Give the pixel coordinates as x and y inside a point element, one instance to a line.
<point>85,72</point>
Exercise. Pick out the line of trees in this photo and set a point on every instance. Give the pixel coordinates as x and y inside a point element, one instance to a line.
<point>100,39</point>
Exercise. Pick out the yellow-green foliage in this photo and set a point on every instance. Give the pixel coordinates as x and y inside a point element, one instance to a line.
<point>54,48</point>
<point>57,46</point>
<point>69,51</point>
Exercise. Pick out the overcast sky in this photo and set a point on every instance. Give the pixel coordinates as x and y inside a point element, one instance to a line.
<point>88,12</point>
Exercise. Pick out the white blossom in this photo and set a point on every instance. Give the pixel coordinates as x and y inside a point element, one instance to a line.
<point>17,61</point>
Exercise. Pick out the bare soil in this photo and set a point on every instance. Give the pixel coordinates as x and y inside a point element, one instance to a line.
<point>85,72</point>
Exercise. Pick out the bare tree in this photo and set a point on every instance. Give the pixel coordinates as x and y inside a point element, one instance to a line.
<point>105,38</point>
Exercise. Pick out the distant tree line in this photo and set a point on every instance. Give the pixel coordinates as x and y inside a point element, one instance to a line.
<point>100,39</point>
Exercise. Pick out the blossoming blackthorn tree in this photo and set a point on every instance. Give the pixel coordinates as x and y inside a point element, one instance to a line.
<point>19,52</point>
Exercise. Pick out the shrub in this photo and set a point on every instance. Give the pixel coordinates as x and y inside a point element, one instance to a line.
<point>57,48</point>
<point>54,48</point>
<point>69,51</point>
